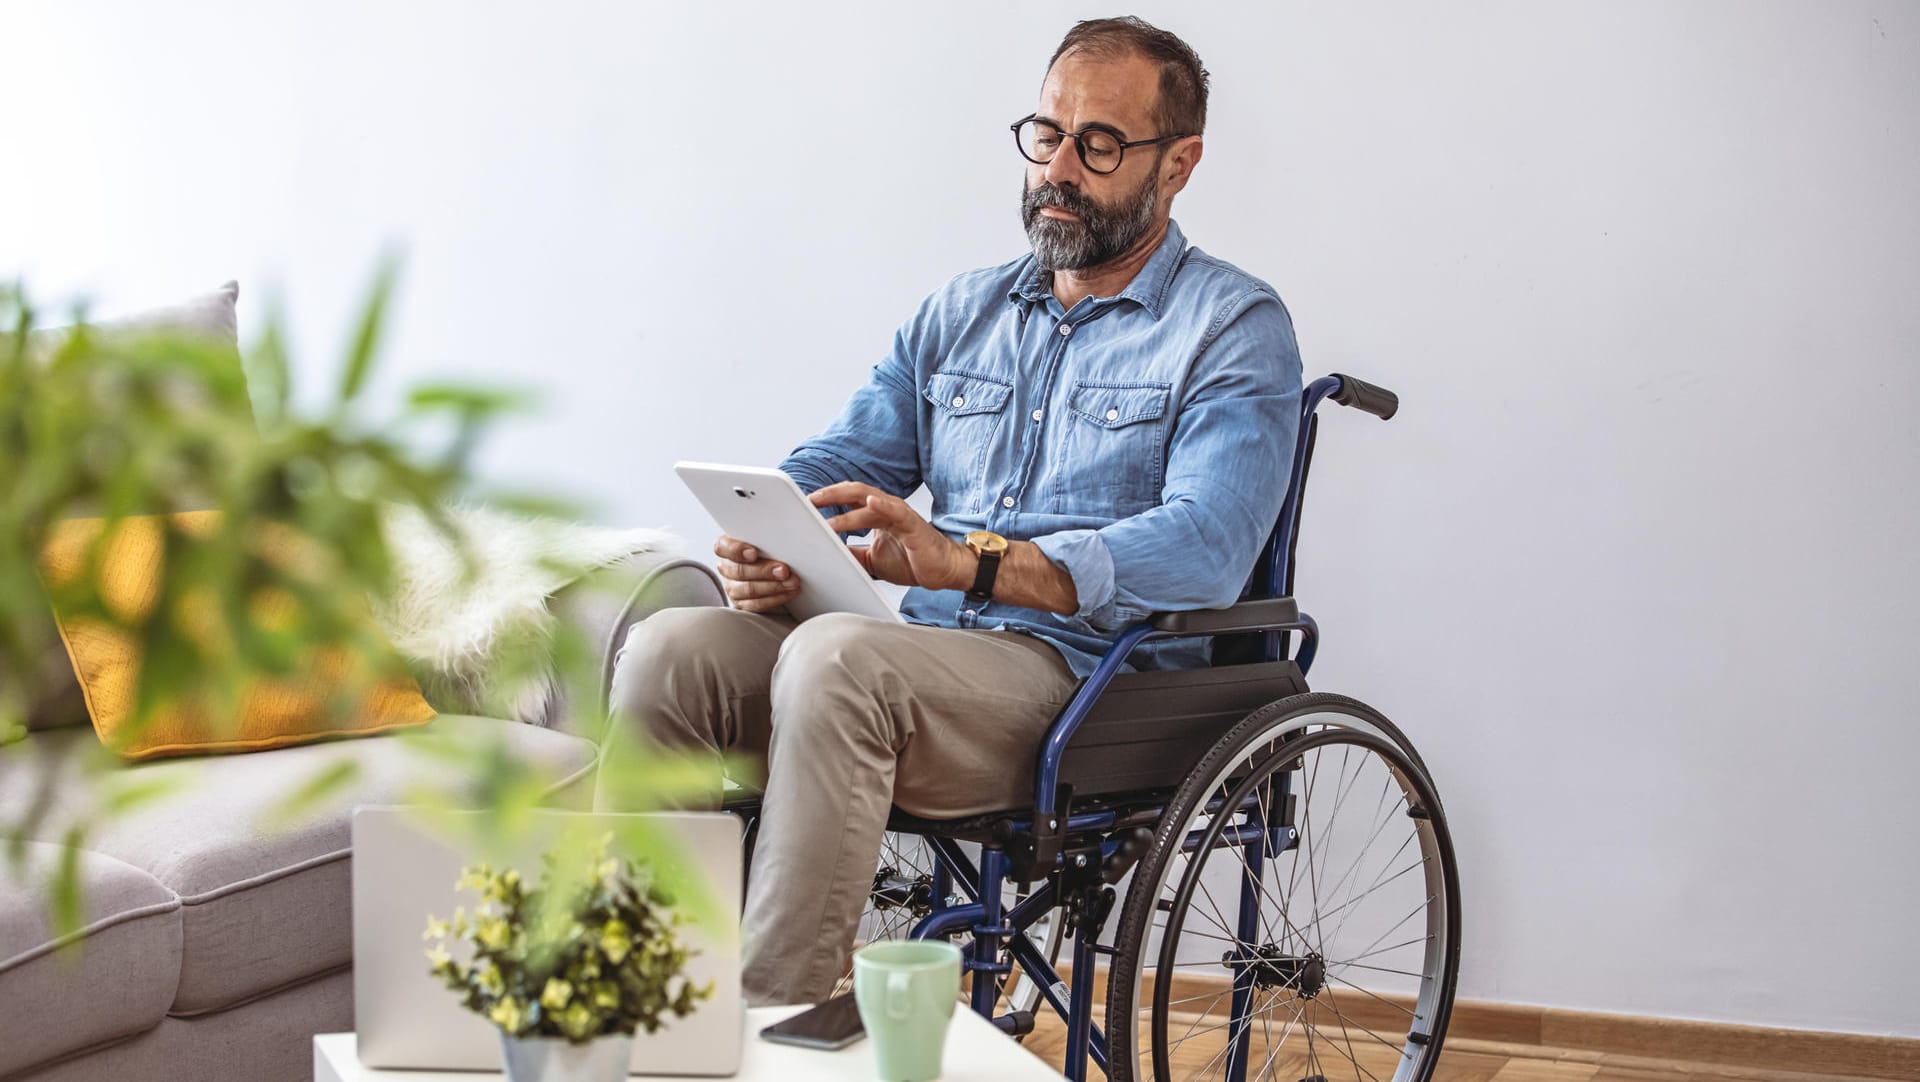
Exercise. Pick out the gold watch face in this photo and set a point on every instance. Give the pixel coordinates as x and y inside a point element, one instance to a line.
<point>987,543</point>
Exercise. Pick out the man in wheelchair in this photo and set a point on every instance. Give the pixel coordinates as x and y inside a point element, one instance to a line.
<point>1106,428</point>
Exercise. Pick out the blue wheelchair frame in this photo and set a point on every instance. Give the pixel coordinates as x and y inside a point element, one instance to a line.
<point>1043,834</point>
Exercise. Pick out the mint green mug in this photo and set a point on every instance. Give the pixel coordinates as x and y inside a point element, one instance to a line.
<point>906,991</point>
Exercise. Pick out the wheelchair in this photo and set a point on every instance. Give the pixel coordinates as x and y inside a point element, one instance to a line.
<point>1291,902</point>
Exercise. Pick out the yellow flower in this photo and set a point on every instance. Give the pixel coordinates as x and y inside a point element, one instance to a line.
<point>606,995</point>
<point>493,933</point>
<point>615,943</point>
<point>556,994</point>
<point>488,977</point>
<point>436,929</point>
<point>509,1014</point>
<point>438,956</point>
<point>577,1021</point>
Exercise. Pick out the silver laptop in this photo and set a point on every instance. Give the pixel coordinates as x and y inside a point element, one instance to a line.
<point>406,1018</point>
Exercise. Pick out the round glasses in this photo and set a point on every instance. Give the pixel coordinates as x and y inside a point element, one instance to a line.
<point>1100,149</point>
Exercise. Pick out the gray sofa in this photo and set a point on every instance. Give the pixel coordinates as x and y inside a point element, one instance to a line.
<point>214,947</point>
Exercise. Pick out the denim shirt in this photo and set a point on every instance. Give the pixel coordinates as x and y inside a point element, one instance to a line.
<point>1143,441</point>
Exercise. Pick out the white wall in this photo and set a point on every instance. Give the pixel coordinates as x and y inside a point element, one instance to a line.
<point>1635,565</point>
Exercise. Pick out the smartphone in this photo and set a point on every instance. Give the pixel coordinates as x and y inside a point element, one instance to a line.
<point>830,1025</point>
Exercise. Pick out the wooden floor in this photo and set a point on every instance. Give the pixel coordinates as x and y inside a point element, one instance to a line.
<point>1466,1061</point>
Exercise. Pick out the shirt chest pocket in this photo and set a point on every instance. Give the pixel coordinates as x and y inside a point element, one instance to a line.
<point>1114,452</point>
<point>968,410</point>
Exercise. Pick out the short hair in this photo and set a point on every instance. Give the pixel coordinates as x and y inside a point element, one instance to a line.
<point>1182,108</point>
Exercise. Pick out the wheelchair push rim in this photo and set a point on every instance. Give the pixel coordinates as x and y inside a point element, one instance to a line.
<point>1299,917</point>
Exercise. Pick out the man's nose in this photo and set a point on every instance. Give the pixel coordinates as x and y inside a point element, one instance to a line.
<point>1066,167</point>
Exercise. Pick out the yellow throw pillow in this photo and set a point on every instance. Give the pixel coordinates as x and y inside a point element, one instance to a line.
<point>272,712</point>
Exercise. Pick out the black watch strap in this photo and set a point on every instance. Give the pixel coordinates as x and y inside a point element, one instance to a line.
<point>981,591</point>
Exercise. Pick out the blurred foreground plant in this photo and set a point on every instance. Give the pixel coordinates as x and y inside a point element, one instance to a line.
<point>112,424</point>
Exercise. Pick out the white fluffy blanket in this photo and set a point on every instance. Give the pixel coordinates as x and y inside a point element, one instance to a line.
<point>461,628</point>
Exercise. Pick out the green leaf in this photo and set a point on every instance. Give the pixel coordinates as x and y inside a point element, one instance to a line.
<point>366,339</point>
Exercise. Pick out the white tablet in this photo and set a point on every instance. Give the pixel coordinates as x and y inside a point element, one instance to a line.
<point>764,508</point>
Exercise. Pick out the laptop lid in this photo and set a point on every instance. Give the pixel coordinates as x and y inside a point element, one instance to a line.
<point>406,1018</point>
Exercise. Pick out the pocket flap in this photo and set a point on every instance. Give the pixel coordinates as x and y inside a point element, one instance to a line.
<point>1116,405</point>
<point>959,393</point>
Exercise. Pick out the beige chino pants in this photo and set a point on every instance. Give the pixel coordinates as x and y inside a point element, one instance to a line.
<point>850,715</point>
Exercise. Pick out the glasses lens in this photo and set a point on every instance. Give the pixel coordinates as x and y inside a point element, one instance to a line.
<point>1101,150</point>
<point>1039,141</point>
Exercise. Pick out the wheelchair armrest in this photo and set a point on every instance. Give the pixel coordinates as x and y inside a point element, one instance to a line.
<point>1266,614</point>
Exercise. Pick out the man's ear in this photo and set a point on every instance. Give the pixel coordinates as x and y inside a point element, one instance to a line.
<point>1179,165</point>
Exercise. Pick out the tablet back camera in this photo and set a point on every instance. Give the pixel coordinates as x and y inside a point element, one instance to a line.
<point>743,493</point>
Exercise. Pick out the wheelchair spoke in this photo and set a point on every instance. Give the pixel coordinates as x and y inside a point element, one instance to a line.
<point>1382,821</point>
<point>1384,969</point>
<point>1403,1009</point>
<point>1377,885</point>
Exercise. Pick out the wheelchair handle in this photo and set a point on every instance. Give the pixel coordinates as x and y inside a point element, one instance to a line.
<point>1366,397</point>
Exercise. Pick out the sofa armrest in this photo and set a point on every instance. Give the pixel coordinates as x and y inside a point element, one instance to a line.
<point>600,608</point>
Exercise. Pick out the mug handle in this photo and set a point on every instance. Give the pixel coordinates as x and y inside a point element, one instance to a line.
<point>898,1004</point>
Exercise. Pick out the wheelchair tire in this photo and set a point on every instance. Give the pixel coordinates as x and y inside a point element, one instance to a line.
<point>1303,994</point>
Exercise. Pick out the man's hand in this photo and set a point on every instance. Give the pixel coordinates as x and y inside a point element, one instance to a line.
<point>753,584</point>
<point>903,548</point>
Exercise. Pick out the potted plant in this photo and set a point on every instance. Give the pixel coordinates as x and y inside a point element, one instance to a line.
<point>570,969</point>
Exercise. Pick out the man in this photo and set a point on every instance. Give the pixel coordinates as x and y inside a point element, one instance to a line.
<point>1107,422</point>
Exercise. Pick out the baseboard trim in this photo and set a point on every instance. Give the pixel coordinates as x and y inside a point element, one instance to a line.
<point>1620,1040</point>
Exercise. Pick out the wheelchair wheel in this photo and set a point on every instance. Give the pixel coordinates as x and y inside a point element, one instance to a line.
<point>1299,914</point>
<point>903,886</point>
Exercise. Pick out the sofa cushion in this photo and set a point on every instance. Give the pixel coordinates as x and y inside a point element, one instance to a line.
<point>52,693</point>
<point>264,905</point>
<point>275,711</point>
<point>113,977</point>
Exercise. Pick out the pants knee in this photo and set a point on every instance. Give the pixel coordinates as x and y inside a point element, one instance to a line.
<point>662,673</point>
<point>832,673</point>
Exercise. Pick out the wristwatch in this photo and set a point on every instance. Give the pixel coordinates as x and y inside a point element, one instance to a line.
<point>989,547</point>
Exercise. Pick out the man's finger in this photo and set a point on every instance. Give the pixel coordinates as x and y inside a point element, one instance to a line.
<point>743,590</point>
<point>860,518</point>
<point>761,605</point>
<point>848,492</point>
<point>733,548</point>
<point>765,569</point>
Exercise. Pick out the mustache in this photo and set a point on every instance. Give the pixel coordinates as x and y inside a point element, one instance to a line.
<point>1049,194</point>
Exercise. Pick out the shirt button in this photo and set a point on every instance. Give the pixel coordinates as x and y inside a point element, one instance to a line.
<point>1006,501</point>
<point>1037,414</point>
<point>1112,415</point>
<point>1066,329</point>
<point>968,612</point>
<point>959,400</point>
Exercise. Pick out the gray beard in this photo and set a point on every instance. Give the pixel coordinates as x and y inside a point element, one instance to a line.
<point>1101,235</point>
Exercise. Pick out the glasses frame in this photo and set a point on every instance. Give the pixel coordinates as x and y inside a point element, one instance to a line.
<point>1079,147</point>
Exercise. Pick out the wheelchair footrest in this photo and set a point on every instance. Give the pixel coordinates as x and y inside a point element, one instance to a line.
<point>1016,1024</point>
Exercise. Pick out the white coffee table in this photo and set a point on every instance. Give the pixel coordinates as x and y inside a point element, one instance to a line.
<point>975,1051</point>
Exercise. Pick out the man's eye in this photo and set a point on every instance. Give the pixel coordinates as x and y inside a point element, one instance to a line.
<point>1046,142</point>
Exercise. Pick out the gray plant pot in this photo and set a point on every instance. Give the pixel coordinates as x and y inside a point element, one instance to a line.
<point>551,1059</point>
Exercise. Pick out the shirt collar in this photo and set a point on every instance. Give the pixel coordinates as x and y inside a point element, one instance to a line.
<point>1148,289</point>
